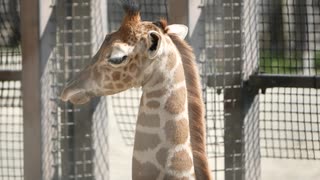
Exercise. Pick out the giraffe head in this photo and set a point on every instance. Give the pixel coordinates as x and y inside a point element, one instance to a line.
<point>125,59</point>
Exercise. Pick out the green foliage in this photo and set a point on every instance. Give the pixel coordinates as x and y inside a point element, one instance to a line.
<point>280,64</point>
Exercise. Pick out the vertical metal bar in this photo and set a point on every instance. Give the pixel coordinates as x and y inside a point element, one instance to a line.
<point>232,93</point>
<point>31,89</point>
<point>196,26</point>
<point>250,55</point>
<point>82,137</point>
<point>77,157</point>
<point>177,12</point>
<point>189,13</point>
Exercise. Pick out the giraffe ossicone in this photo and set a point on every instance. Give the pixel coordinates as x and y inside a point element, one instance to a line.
<point>170,132</point>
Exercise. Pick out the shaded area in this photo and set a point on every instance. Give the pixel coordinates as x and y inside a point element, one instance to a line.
<point>11,121</point>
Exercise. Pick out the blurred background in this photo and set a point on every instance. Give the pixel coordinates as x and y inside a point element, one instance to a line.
<point>260,67</point>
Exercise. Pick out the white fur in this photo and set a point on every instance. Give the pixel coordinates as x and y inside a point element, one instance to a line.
<point>178,29</point>
<point>120,50</point>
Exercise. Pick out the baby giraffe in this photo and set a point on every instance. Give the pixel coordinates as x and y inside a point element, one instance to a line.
<point>170,131</point>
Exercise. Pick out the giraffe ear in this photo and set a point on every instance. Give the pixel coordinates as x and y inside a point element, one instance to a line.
<point>178,29</point>
<point>154,41</point>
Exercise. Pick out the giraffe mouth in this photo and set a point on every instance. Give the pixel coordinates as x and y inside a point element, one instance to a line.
<point>76,97</point>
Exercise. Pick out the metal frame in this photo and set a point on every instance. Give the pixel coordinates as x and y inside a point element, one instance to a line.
<point>10,75</point>
<point>30,42</point>
<point>235,111</point>
<point>234,117</point>
<point>264,81</point>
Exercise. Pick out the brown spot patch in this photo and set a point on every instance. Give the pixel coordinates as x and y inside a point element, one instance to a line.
<point>108,86</point>
<point>162,156</point>
<point>97,76</point>
<point>119,85</point>
<point>106,77</point>
<point>133,67</point>
<point>177,131</point>
<point>181,161</point>
<point>149,120</point>
<point>176,102</point>
<point>156,93</point>
<point>171,61</point>
<point>160,79</point>
<point>116,76</point>
<point>170,177</point>
<point>153,104</point>
<point>145,141</point>
<point>179,74</point>
<point>144,171</point>
<point>127,79</point>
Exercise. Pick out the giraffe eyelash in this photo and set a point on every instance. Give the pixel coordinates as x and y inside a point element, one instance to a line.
<point>117,60</point>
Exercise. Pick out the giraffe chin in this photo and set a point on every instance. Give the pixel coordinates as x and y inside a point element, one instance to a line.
<point>80,97</point>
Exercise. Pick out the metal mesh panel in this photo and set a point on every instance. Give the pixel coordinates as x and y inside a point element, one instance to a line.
<point>100,125</point>
<point>290,123</point>
<point>290,44</point>
<point>223,68</point>
<point>10,35</point>
<point>250,55</point>
<point>100,141</point>
<point>11,122</point>
<point>232,109</point>
<point>289,37</point>
<point>126,104</point>
<point>11,133</point>
<point>74,137</point>
<point>214,96</point>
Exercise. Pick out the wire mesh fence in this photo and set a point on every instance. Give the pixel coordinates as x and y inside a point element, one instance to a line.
<point>11,131</point>
<point>230,56</point>
<point>11,122</point>
<point>289,37</point>
<point>75,142</point>
<point>10,35</point>
<point>280,122</point>
<point>289,44</point>
<point>289,123</point>
<point>214,96</point>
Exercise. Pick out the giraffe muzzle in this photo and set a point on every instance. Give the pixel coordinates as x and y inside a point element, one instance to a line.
<point>75,97</point>
<point>76,93</point>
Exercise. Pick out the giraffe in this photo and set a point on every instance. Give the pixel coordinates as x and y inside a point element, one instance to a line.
<point>169,140</point>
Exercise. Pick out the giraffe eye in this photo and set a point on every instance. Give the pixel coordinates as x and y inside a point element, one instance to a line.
<point>119,54</point>
<point>117,60</point>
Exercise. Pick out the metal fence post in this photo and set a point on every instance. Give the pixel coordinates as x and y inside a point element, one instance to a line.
<point>250,56</point>
<point>30,42</point>
<point>189,13</point>
<point>76,122</point>
<point>241,104</point>
<point>242,148</point>
<point>232,93</point>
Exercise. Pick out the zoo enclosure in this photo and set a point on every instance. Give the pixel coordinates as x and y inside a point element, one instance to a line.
<point>260,88</point>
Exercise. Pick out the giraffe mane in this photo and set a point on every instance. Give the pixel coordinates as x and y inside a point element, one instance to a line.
<point>195,109</point>
<point>162,24</point>
<point>132,10</point>
<point>130,7</point>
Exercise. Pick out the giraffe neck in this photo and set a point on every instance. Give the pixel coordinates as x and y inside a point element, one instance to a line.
<point>162,147</point>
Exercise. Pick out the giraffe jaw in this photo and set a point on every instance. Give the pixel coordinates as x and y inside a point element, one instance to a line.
<point>75,97</point>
